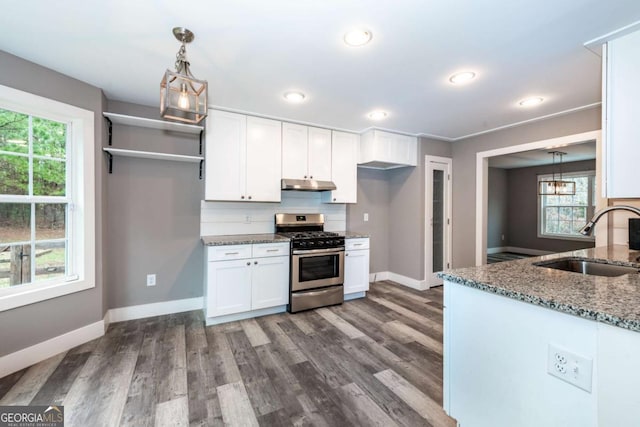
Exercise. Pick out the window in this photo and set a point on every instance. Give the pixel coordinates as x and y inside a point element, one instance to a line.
<point>562,217</point>
<point>46,199</point>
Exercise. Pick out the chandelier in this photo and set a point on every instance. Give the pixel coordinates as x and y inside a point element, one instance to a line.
<point>556,187</point>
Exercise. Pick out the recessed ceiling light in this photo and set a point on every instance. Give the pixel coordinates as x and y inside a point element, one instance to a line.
<point>462,77</point>
<point>294,96</point>
<point>530,102</point>
<point>358,37</point>
<point>378,115</point>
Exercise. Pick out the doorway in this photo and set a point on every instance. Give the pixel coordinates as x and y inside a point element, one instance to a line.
<point>437,217</point>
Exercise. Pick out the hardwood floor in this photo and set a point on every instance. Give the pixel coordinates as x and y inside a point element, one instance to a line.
<point>375,361</point>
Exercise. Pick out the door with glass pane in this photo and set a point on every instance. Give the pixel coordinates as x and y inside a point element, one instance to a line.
<point>438,217</point>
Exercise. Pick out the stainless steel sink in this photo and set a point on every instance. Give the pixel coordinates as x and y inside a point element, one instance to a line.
<point>589,267</point>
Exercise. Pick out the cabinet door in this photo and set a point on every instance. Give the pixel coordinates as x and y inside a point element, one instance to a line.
<point>356,271</point>
<point>294,151</point>
<point>225,156</point>
<point>622,131</point>
<point>270,282</point>
<point>320,154</point>
<point>228,287</point>
<point>264,160</point>
<point>344,167</point>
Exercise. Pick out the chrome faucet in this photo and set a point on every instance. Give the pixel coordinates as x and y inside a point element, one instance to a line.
<point>588,228</point>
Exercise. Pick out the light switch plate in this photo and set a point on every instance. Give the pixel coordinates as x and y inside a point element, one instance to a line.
<point>151,279</point>
<point>366,217</point>
<point>570,367</point>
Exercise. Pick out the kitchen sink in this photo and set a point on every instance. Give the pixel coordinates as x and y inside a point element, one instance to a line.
<point>588,267</point>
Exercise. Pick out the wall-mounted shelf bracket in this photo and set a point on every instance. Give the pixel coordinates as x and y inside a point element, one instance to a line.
<point>201,164</point>
<point>200,146</point>
<point>110,132</point>
<point>110,162</point>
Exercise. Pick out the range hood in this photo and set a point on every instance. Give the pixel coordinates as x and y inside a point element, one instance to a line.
<point>307,185</point>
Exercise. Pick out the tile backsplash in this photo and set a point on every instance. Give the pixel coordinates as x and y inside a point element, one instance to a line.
<point>230,218</point>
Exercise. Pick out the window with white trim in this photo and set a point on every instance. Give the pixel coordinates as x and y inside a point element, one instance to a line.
<point>562,217</point>
<point>47,228</point>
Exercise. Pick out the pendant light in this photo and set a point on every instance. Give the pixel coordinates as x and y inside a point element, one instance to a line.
<point>182,96</point>
<point>556,187</point>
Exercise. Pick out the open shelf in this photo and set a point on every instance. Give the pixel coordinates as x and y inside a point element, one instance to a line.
<point>152,155</point>
<point>123,119</point>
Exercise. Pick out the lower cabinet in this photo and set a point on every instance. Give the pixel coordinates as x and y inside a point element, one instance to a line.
<point>242,285</point>
<point>356,266</point>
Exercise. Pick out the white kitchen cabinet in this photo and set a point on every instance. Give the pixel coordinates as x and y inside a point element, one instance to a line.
<point>356,266</point>
<point>344,168</point>
<point>245,278</point>
<point>243,158</point>
<point>228,287</point>
<point>306,152</point>
<point>270,282</point>
<point>386,150</point>
<point>621,97</point>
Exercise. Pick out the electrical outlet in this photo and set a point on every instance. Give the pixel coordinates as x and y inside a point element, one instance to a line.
<point>366,217</point>
<point>503,237</point>
<point>247,219</point>
<point>570,367</point>
<point>151,279</point>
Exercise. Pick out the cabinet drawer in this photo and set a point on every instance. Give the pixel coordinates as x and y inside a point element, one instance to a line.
<point>270,249</point>
<point>355,244</point>
<point>224,253</point>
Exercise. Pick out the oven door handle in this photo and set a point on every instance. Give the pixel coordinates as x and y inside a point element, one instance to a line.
<point>318,251</point>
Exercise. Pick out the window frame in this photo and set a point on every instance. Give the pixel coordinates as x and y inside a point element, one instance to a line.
<point>80,221</point>
<point>590,206</point>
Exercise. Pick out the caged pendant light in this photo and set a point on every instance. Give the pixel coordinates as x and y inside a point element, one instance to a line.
<point>182,96</point>
<point>556,187</point>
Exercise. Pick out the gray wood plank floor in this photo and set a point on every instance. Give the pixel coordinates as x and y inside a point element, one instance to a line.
<point>375,361</point>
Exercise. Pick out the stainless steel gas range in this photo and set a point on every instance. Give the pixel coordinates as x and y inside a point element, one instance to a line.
<point>317,261</point>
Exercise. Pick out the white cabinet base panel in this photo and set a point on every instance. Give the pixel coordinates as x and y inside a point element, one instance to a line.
<point>355,295</point>
<point>245,315</point>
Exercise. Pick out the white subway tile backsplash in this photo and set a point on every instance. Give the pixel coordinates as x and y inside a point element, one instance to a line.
<point>229,218</point>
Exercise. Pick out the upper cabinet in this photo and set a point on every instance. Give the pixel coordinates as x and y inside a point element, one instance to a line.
<point>243,158</point>
<point>344,168</point>
<point>386,150</point>
<point>306,152</point>
<point>621,129</point>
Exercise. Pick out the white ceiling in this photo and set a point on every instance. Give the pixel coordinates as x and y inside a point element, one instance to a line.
<point>574,153</point>
<point>252,51</point>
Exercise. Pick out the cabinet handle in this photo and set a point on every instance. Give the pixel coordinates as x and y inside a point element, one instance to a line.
<point>334,199</point>
<point>248,263</point>
<point>242,197</point>
<point>231,253</point>
<point>357,244</point>
<point>249,197</point>
<point>346,254</point>
<point>311,177</point>
<point>305,177</point>
<point>273,250</point>
<point>255,262</point>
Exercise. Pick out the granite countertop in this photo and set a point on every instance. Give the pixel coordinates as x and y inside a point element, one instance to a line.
<point>353,235</point>
<point>243,239</point>
<point>612,300</point>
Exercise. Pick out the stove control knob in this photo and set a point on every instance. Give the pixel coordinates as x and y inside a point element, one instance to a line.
<point>303,244</point>
<point>311,243</point>
<point>320,242</point>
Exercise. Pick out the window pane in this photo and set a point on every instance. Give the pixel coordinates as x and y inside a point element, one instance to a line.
<point>50,221</point>
<point>565,214</point>
<point>552,214</point>
<point>14,132</point>
<point>48,177</point>
<point>14,174</point>
<point>580,214</point>
<point>564,227</point>
<point>551,227</point>
<point>15,222</point>
<point>49,138</point>
<point>50,260</point>
<point>15,265</point>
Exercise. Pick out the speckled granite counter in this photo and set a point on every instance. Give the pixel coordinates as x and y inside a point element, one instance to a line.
<point>243,239</point>
<point>353,235</point>
<point>612,300</point>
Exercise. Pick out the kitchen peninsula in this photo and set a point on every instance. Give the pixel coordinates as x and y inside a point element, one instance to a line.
<point>511,326</point>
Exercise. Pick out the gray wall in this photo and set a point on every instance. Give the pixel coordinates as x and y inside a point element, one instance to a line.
<point>523,208</point>
<point>464,169</point>
<point>394,200</point>
<point>498,209</point>
<point>153,216</point>
<point>32,324</point>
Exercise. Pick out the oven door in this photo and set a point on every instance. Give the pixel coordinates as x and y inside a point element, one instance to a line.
<point>316,268</point>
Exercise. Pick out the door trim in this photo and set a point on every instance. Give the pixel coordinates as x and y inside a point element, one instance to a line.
<point>447,162</point>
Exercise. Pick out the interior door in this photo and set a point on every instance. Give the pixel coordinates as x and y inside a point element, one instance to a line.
<point>438,217</point>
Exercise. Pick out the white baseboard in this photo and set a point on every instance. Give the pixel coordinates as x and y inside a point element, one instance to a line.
<point>37,353</point>
<point>155,309</point>
<point>497,250</point>
<point>527,251</point>
<point>420,285</point>
<point>355,295</point>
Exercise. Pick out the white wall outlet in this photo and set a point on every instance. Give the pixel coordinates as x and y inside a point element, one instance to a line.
<point>502,237</point>
<point>247,219</point>
<point>570,367</point>
<point>151,279</point>
<point>366,217</point>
